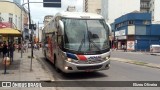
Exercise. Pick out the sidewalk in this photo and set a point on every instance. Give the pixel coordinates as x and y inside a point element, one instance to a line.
<point>19,70</point>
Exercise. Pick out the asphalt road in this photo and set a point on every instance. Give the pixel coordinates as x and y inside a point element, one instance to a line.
<point>144,57</point>
<point>118,72</point>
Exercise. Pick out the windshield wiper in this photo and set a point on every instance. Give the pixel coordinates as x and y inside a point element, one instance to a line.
<point>94,44</point>
<point>83,40</point>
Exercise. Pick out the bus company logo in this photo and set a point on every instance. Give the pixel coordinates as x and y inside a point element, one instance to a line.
<point>89,61</point>
<point>6,84</point>
<point>94,58</point>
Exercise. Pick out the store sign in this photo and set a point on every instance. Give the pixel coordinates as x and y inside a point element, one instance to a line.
<point>120,33</point>
<point>121,37</point>
<point>5,25</point>
<point>52,3</point>
<point>131,30</point>
<point>130,45</point>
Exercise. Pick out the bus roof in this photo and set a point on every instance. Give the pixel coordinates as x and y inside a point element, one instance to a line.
<point>79,15</point>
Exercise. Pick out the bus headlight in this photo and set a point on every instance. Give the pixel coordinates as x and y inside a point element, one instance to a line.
<point>69,59</point>
<point>106,58</point>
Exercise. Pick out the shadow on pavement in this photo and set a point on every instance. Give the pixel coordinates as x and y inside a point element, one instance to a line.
<point>83,75</point>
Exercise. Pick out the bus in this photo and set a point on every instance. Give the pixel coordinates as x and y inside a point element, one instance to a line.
<point>77,42</point>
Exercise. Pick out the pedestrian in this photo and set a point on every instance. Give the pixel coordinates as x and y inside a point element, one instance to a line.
<point>35,46</point>
<point>125,48</point>
<point>5,49</point>
<point>19,47</point>
<point>38,46</point>
<point>11,51</point>
<point>1,46</point>
<point>24,48</point>
<point>122,47</point>
<point>26,45</point>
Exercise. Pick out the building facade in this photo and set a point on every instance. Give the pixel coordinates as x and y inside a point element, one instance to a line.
<point>136,31</point>
<point>25,26</point>
<point>145,6</point>
<point>15,1</point>
<point>92,6</point>
<point>112,9</point>
<point>13,13</point>
<point>155,10</point>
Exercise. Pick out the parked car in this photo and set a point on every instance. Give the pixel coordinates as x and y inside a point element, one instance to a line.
<point>155,48</point>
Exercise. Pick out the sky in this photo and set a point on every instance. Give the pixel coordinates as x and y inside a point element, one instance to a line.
<point>38,11</point>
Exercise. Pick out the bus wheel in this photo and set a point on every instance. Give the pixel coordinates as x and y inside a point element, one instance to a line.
<point>55,64</point>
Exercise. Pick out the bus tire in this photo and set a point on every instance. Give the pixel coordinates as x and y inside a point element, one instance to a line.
<point>55,64</point>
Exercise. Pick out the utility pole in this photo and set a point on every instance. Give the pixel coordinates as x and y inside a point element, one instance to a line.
<point>29,15</point>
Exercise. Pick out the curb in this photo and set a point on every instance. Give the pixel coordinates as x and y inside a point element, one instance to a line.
<point>152,65</point>
<point>155,54</point>
<point>147,53</point>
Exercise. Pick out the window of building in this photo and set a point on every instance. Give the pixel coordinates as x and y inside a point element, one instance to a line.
<point>147,3</point>
<point>153,17</point>
<point>16,20</point>
<point>0,18</point>
<point>131,22</point>
<point>150,5</point>
<point>116,25</point>
<point>146,22</point>
<point>10,18</point>
<point>19,20</point>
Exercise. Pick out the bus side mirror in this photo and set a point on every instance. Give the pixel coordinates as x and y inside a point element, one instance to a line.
<point>61,25</point>
<point>110,30</point>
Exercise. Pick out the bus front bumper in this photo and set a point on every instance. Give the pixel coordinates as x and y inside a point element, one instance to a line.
<point>70,67</point>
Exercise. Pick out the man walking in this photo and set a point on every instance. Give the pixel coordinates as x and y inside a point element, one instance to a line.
<point>11,51</point>
<point>4,49</point>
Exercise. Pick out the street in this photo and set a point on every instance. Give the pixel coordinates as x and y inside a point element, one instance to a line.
<point>140,56</point>
<point>119,71</point>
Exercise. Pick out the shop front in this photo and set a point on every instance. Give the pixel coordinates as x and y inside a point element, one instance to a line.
<point>121,41</point>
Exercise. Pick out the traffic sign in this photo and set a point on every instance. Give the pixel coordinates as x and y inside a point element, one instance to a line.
<point>51,3</point>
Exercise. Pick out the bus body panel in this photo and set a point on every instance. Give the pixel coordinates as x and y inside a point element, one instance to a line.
<point>66,61</point>
<point>86,63</point>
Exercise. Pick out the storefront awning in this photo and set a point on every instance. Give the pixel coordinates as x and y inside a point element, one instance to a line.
<point>10,32</point>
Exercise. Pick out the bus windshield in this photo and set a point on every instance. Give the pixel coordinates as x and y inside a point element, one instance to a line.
<point>85,35</point>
